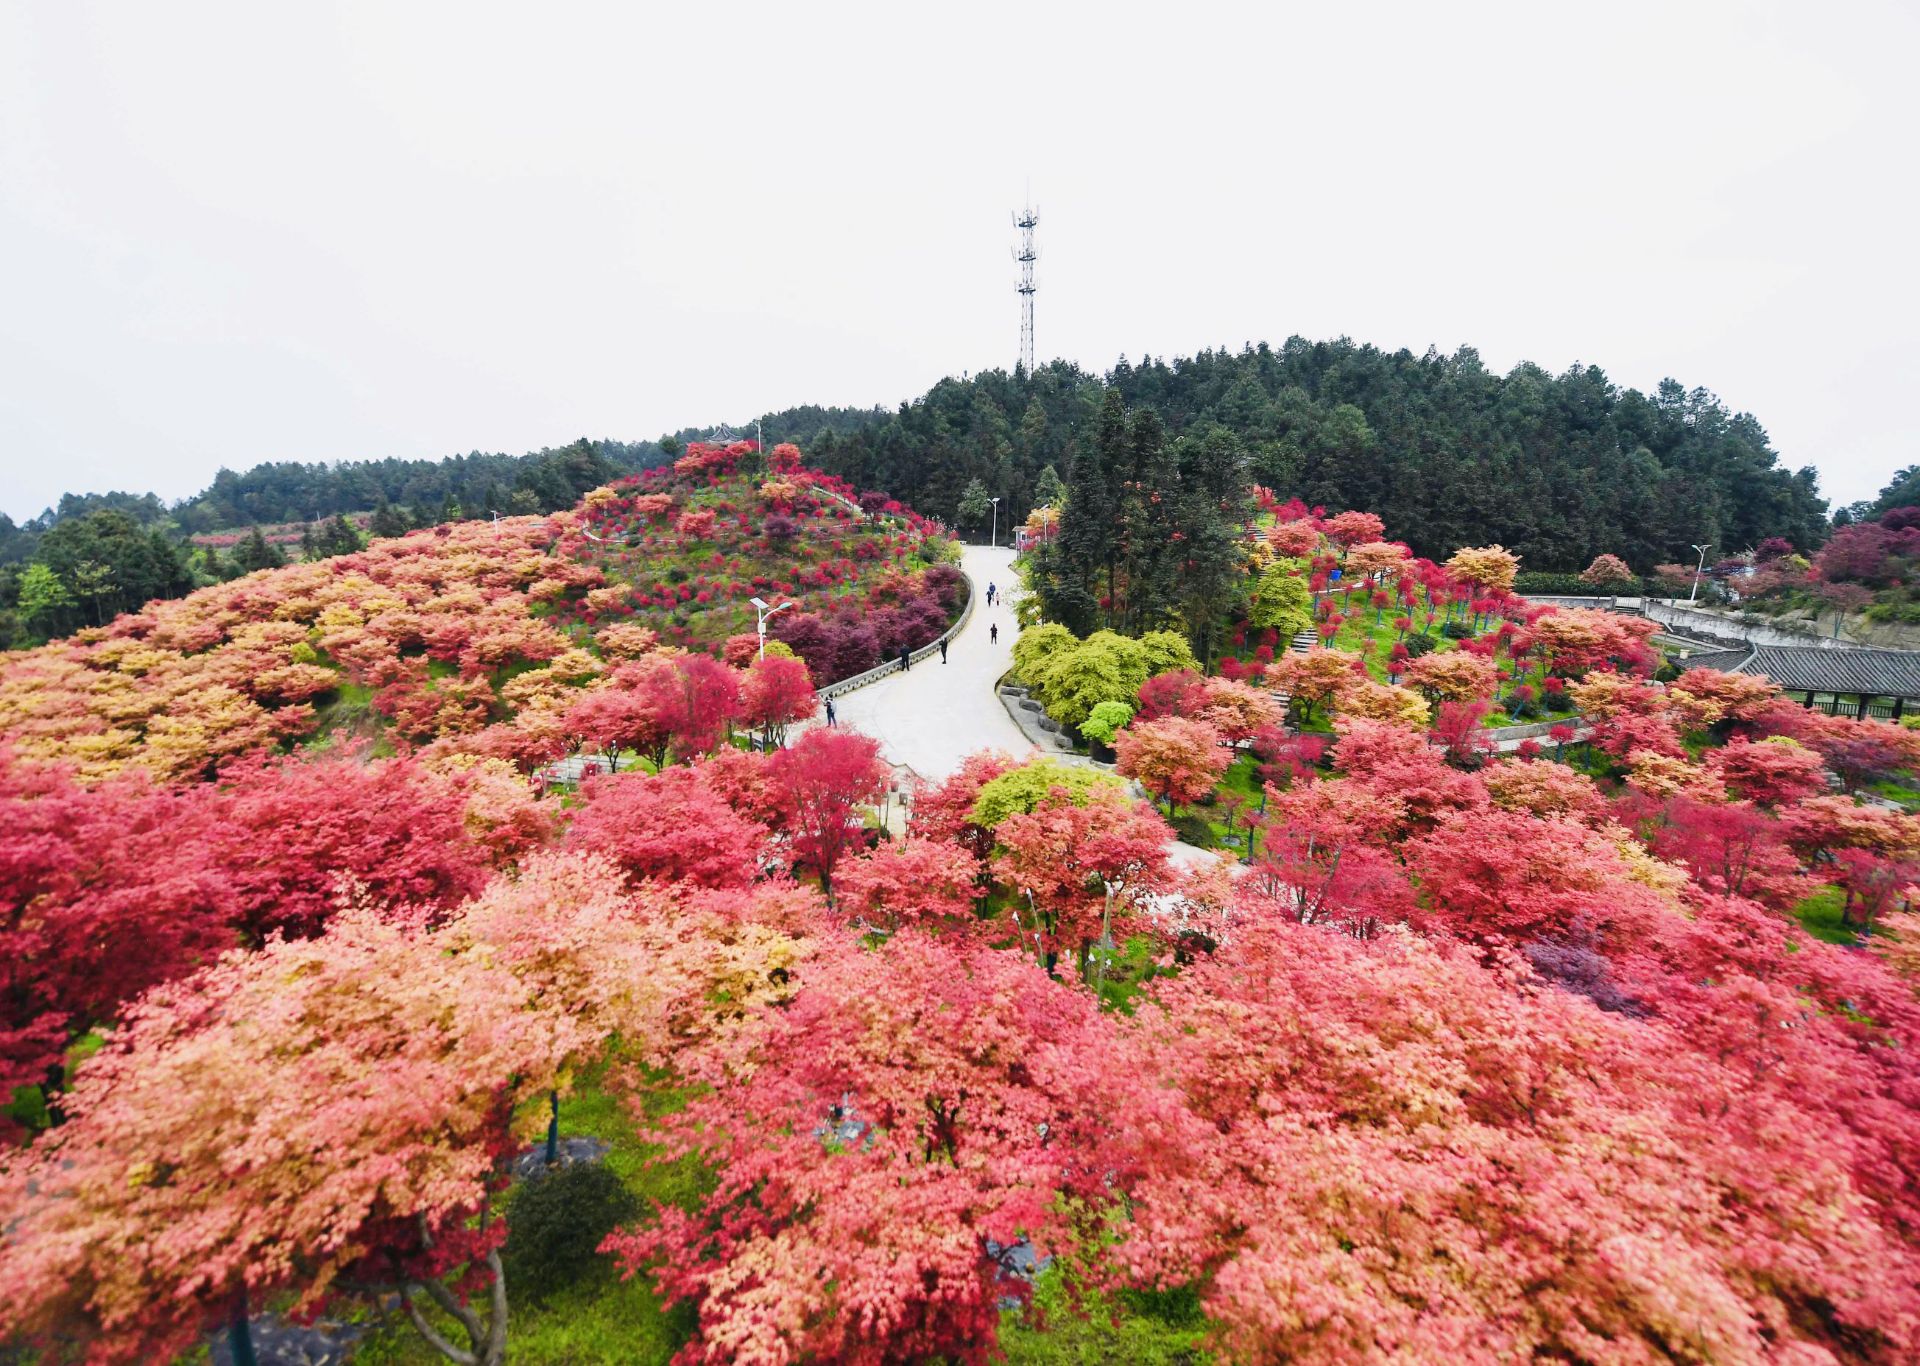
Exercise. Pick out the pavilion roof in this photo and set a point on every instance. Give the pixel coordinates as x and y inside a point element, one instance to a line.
<point>1807,668</point>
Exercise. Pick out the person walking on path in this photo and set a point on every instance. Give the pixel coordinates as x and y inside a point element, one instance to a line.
<point>943,649</point>
<point>832,720</point>
<point>990,592</point>
<point>993,634</point>
<point>906,661</point>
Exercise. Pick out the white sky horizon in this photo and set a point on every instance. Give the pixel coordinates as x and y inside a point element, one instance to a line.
<point>233,233</point>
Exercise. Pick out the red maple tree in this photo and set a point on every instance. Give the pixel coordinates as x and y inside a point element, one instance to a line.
<point>826,777</point>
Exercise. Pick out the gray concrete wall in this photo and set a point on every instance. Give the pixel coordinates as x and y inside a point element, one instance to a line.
<point>1728,629</point>
<point>1734,626</point>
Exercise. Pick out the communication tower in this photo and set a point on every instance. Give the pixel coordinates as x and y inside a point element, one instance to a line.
<point>1026,220</point>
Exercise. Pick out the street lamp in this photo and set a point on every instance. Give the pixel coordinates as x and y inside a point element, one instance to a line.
<point>994,540</point>
<point>1696,570</point>
<point>766,614</point>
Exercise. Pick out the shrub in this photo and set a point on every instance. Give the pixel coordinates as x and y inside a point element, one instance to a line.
<point>1021,789</point>
<point>1167,651</point>
<point>556,1222</point>
<point>1105,667</point>
<point>1282,601</point>
<point>1191,828</point>
<point>1457,630</point>
<point>940,550</point>
<point>1542,584</point>
<point>1104,720</point>
<point>1035,646</point>
<point>1610,574</point>
<point>948,585</point>
<point>1419,644</point>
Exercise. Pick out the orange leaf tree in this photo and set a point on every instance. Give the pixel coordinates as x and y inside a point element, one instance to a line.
<point>1178,758</point>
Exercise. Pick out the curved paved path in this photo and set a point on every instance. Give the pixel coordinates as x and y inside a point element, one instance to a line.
<point>934,715</point>
<point>931,717</point>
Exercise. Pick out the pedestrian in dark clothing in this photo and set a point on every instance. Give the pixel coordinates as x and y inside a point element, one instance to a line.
<point>906,660</point>
<point>831,718</point>
<point>943,649</point>
<point>993,634</point>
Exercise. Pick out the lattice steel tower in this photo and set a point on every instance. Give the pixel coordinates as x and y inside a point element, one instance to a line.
<point>1026,220</point>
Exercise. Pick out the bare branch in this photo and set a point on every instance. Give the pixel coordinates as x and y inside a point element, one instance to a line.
<point>497,1336</point>
<point>467,1319</point>
<point>426,1330</point>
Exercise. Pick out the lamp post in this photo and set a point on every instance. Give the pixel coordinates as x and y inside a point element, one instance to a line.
<point>1696,571</point>
<point>766,614</point>
<point>994,539</point>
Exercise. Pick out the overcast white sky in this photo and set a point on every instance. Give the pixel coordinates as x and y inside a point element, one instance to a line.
<point>234,233</point>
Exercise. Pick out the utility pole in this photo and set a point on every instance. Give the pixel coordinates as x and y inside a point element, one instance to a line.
<point>994,540</point>
<point>1026,220</point>
<point>760,606</point>
<point>1703,549</point>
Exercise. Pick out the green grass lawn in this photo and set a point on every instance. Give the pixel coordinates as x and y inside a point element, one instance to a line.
<point>725,562</point>
<point>1131,1327</point>
<point>1359,632</point>
<point>347,717</point>
<point>1894,790</point>
<point>1819,916</point>
<point>1240,780</point>
<point>598,1318</point>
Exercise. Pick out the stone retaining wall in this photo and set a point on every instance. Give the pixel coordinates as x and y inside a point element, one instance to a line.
<point>1739,630</point>
<point>1033,719</point>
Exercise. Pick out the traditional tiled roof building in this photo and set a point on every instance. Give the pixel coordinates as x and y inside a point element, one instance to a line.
<point>1885,682</point>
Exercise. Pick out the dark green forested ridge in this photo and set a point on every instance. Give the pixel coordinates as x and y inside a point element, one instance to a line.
<point>1559,468</point>
<point>290,491</point>
<point>100,554</point>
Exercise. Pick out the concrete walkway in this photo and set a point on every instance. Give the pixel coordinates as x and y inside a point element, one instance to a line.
<point>934,715</point>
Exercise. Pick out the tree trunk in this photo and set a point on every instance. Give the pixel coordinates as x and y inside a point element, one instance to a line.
<point>1106,937</point>
<point>488,1340</point>
<point>240,1333</point>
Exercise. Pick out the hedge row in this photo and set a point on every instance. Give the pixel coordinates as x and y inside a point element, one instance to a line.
<point>1569,585</point>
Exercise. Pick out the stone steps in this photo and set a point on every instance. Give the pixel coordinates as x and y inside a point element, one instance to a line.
<point>1299,645</point>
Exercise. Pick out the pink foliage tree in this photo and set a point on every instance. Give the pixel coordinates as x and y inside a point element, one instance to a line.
<point>883,1146</point>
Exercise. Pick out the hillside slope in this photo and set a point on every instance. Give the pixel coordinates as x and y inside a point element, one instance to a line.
<point>475,634</point>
